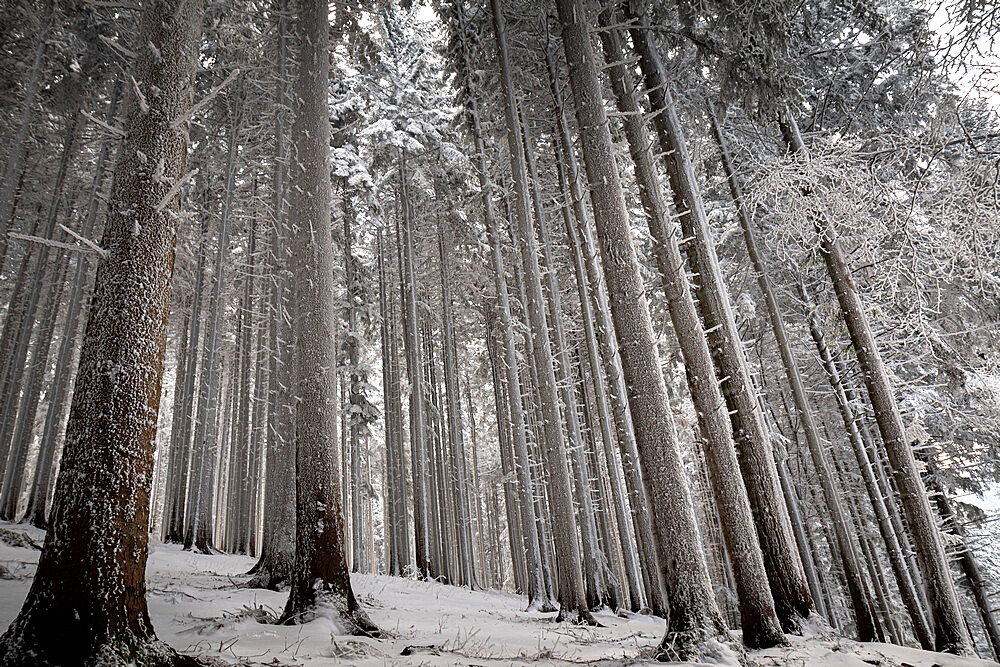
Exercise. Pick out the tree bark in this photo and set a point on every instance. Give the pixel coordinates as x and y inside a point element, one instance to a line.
<point>320,580</point>
<point>694,617</point>
<point>87,600</point>
<point>950,633</point>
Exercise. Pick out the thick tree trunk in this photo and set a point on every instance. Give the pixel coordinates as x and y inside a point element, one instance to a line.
<point>320,583</point>
<point>759,621</point>
<point>694,617</point>
<point>87,600</point>
<point>950,633</point>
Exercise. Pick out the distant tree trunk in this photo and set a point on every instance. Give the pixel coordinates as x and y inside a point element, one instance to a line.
<point>414,361</point>
<point>320,580</point>
<point>950,633</point>
<point>978,586</point>
<point>904,582</point>
<point>87,600</point>
<point>532,547</point>
<point>277,552</point>
<point>199,530</point>
<point>466,561</point>
<point>19,142</point>
<point>24,321</point>
<point>571,593</point>
<point>694,617</point>
<point>25,426</point>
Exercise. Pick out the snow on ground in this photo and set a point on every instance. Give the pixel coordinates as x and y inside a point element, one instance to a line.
<point>197,606</point>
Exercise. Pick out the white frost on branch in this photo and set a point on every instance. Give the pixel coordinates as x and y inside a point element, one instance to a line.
<point>175,189</point>
<point>180,120</point>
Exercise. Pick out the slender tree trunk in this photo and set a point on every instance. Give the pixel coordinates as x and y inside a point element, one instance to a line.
<point>19,142</point>
<point>950,633</point>
<point>87,600</point>
<point>571,594</point>
<point>904,582</point>
<point>277,552</point>
<point>694,617</point>
<point>532,548</point>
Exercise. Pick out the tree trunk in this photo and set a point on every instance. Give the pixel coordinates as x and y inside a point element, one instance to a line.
<point>571,593</point>
<point>694,617</point>
<point>532,547</point>
<point>87,600</point>
<point>907,589</point>
<point>950,633</point>
<point>321,583</point>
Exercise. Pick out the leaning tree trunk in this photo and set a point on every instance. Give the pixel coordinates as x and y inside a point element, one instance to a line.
<point>87,600</point>
<point>694,617</point>
<point>320,580</point>
<point>759,621</point>
<point>969,565</point>
<point>950,632</point>
<point>904,581</point>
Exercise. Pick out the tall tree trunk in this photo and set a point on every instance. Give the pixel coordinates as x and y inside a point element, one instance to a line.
<point>87,600</point>
<point>950,633</point>
<point>610,359</point>
<point>904,582</point>
<point>759,621</point>
<point>277,552</point>
<point>320,580</point>
<point>537,598</point>
<point>19,142</point>
<point>694,617</point>
<point>571,593</point>
<point>593,559</point>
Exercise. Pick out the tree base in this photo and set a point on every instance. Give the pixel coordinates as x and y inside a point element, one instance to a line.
<point>542,606</point>
<point>326,604</point>
<point>700,647</point>
<point>579,617</point>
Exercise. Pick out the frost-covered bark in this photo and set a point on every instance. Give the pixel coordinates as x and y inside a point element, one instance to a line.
<point>757,608</point>
<point>87,601</point>
<point>532,548</point>
<point>904,581</point>
<point>593,559</point>
<point>277,551</point>
<point>571,593</point>
<point>610,358</point>
<point>950,633</point>
<point>694,617</point>
<point>321,583</point>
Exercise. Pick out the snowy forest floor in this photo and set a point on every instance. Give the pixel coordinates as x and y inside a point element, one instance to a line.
<point>197,605</point>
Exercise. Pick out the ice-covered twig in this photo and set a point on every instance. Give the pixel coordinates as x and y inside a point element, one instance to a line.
<point>54,244</point>
<point>177,122</point>
<point>84,240</point>
<point>175,189</point>
<point>118,132</point>
<point>128,53</point>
